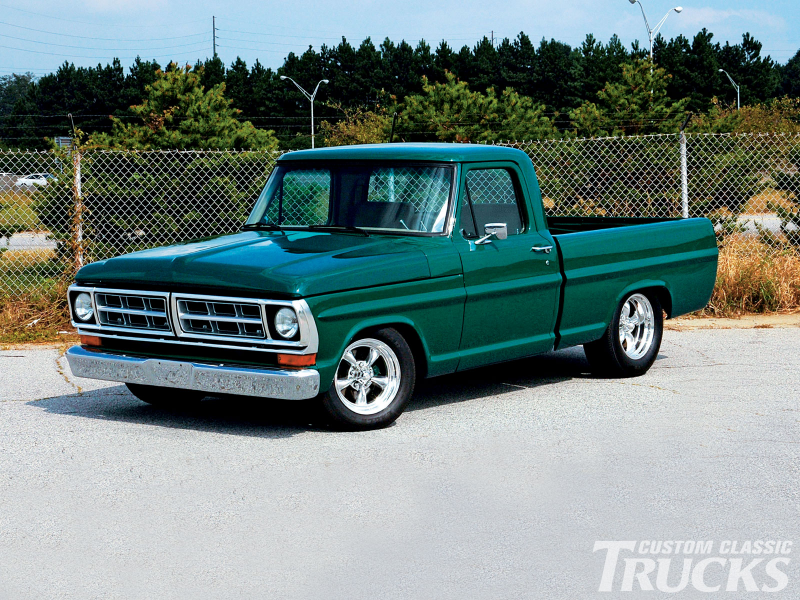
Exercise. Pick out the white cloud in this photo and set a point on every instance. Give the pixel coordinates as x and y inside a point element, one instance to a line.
<point>708,17</point>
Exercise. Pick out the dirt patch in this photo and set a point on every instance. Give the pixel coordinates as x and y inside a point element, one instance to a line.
<point>745,322</point>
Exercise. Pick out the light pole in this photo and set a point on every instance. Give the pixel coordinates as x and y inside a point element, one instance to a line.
<point>311,99</point>
<point>651,33</point>
<point>733,83</point>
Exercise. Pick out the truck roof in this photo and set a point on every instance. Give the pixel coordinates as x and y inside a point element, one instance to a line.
<point>410,151</point>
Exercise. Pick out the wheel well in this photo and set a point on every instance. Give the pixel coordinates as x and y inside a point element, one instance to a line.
<point>413,340</point>
<point>664,298</point>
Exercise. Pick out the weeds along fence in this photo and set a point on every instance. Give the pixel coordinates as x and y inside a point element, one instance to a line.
<point>60,210</point>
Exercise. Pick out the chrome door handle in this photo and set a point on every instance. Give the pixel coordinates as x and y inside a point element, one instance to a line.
<point>545,249</point>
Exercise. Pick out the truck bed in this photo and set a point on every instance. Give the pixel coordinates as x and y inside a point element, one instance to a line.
<point>562,225</point>
<point>604,258</point>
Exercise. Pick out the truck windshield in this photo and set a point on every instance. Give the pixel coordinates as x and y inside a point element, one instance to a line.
<point>390,197</point>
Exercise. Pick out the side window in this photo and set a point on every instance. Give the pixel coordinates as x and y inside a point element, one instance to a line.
<point>302,199</point>
<point>494,200</point>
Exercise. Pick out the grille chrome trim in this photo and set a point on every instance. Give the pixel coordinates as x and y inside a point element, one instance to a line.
<point>121,310</point>
<point>307,342</point>
<point>112,305</point>
<point>308,339</point>
<point>220,326</point>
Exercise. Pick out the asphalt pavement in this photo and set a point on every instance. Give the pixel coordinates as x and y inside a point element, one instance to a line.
<point>496,483</point>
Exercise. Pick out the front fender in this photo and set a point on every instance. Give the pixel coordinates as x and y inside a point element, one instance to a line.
<point>433,308</point>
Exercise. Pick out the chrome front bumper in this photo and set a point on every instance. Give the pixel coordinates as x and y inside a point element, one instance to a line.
<point>280,384</point>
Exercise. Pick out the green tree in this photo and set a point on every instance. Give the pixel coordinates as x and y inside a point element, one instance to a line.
<point>790,77</point>
<point>179,113</point>
<point>556,76</point>
<point>637,105</point>
<point>599,64</point>
<point>452,112</point>
<point>693,67</point>
<point>13,88</point>
<point>757,75</point>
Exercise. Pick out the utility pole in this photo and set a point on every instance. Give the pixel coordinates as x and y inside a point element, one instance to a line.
<point>214,34</point>
<point>492,38</point>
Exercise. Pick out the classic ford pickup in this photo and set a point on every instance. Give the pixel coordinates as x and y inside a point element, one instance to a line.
<point>362,269</point>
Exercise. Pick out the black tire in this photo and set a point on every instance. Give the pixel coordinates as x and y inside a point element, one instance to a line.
<point>609,358</point>
<point>377,410</point>
<point>165,397</point>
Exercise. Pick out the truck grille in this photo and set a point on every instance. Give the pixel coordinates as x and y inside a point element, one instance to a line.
<point>221,318</point>
<point>132,311</point>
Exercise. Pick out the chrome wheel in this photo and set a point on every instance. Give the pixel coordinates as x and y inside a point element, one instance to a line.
<point>636,326</point>
<point>368,376</point>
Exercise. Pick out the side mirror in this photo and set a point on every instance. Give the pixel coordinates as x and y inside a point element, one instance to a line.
<point>493,231</point>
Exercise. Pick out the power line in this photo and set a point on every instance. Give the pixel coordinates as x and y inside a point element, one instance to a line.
<point>83,37</point>
<point>281,35</point>
<point>92,57</point>
<point>11,37</point>
<point>340,34</point>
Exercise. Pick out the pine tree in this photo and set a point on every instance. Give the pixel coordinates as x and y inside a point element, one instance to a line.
<point>638,105</point>
<point>180,113</point>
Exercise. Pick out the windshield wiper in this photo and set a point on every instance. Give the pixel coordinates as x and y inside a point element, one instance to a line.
<point>262,226</point>
<point>348,228</point>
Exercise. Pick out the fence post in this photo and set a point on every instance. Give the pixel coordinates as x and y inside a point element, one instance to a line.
<point>684,170</point>
<point>77,221</point>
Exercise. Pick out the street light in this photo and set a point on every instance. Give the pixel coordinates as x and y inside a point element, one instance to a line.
<point>733,83</point>
<point>651,33</point>
<point>311,99</point>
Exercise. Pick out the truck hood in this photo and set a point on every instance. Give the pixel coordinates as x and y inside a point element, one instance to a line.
<point>294,263</point>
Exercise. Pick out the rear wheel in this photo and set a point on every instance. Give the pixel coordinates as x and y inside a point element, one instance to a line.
<point>373,382</point>
<point>630,345</point>
<point>165,397</point>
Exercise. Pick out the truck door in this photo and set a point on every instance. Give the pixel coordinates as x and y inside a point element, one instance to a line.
<point>512,285</point>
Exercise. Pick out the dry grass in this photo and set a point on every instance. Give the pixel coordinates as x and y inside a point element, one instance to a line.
<point>20,259</point>
<point>754,278</point>
<point>759,204</point>
<point>35,316</point>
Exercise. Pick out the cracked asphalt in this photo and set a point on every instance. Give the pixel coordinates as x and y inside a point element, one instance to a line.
<point>496,483</point>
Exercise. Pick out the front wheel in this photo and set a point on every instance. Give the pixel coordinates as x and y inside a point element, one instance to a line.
<point>373,382</point>
<point>630,345</point>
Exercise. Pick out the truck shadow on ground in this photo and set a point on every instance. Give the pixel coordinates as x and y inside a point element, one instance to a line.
<point>279,419</point>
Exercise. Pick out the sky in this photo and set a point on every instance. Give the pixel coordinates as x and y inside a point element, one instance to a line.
<point>38,35</point>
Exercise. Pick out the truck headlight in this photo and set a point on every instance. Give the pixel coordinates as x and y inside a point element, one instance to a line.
<point>83,306</point>
<point>286,323</point>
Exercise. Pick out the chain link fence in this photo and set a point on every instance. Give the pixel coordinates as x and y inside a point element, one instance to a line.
<point>59,210</point>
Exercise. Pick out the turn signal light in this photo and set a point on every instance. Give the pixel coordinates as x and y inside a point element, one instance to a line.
<point>91,340</point>
<point>297,360</point>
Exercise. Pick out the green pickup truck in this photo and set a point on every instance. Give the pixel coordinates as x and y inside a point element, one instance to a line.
<point>362,269</point>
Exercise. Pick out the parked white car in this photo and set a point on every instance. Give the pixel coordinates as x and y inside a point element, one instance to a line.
<point>34,179</point>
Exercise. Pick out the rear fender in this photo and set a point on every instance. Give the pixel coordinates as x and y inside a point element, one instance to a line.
<point>660,287</point>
